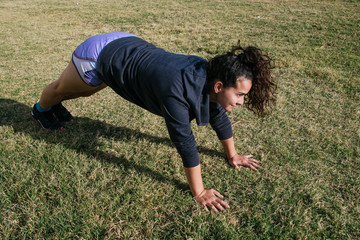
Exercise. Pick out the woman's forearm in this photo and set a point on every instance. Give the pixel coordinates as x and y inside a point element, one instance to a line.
<point>229,147</point>
<point>194,179</point>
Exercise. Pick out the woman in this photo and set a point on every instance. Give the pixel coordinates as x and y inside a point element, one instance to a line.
<point>176,87</point>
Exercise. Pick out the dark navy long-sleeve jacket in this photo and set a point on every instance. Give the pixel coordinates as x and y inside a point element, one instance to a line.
<point>170,85</point>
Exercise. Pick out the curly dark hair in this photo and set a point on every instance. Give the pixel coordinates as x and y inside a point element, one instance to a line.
<point>252,64</point>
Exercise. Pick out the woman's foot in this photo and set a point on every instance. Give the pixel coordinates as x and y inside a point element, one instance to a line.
<point>46,119</point>
<point>61,113</point>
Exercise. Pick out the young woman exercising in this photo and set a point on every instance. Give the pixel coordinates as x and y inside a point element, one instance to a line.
<point>177,87</point>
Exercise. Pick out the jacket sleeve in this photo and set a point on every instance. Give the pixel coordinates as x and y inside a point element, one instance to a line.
<point>220,121</point>
<point>177,118</point>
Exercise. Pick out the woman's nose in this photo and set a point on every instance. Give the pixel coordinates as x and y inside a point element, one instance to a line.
<point>240,101</point>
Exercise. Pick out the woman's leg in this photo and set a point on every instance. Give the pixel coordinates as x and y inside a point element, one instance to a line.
<point>68,86</point>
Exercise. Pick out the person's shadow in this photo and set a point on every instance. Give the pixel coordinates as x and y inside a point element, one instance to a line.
<point>83,138</point>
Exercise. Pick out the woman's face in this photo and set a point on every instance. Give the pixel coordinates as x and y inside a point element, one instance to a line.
<point>230,97</point>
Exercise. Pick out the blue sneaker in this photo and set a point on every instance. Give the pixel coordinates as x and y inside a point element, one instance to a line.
<point>46,119</point>
<point>61,113</point>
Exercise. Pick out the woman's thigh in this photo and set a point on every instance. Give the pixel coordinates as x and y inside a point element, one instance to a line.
<point>70,83</point>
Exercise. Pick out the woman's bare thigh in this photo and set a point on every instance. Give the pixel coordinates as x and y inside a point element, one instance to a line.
<point>70,83</point>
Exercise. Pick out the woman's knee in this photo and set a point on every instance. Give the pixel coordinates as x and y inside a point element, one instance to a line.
<point>58,88</point>
<point>52,88</point>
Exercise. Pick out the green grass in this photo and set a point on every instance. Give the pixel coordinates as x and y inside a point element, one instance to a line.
<point>114,174</point>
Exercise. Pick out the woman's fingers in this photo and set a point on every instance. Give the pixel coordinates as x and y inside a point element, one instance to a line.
<point>217,194</point>
<point>204,206</point>
<point>211,199</point>
<point>218,207</point>
<point>257,166</point>
<point>222,204</point>
<point>253,168</point>
<point>248,161</point>
<point>214,209</point>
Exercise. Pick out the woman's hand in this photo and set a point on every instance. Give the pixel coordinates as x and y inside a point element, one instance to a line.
<point>210,198</point>
<point>245,161</point>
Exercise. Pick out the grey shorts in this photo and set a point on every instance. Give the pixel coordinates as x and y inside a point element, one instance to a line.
<point>87,71</point>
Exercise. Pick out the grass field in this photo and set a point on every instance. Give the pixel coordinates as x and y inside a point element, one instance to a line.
<point>114,173</point>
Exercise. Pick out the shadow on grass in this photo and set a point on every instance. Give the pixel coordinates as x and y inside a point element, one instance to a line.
<point>83,138</point>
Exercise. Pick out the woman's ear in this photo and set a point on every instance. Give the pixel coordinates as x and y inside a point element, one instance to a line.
<point>218,86</point>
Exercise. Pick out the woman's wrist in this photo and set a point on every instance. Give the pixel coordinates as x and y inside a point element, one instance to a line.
<point>231,157</point>
<point>198,193</point>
